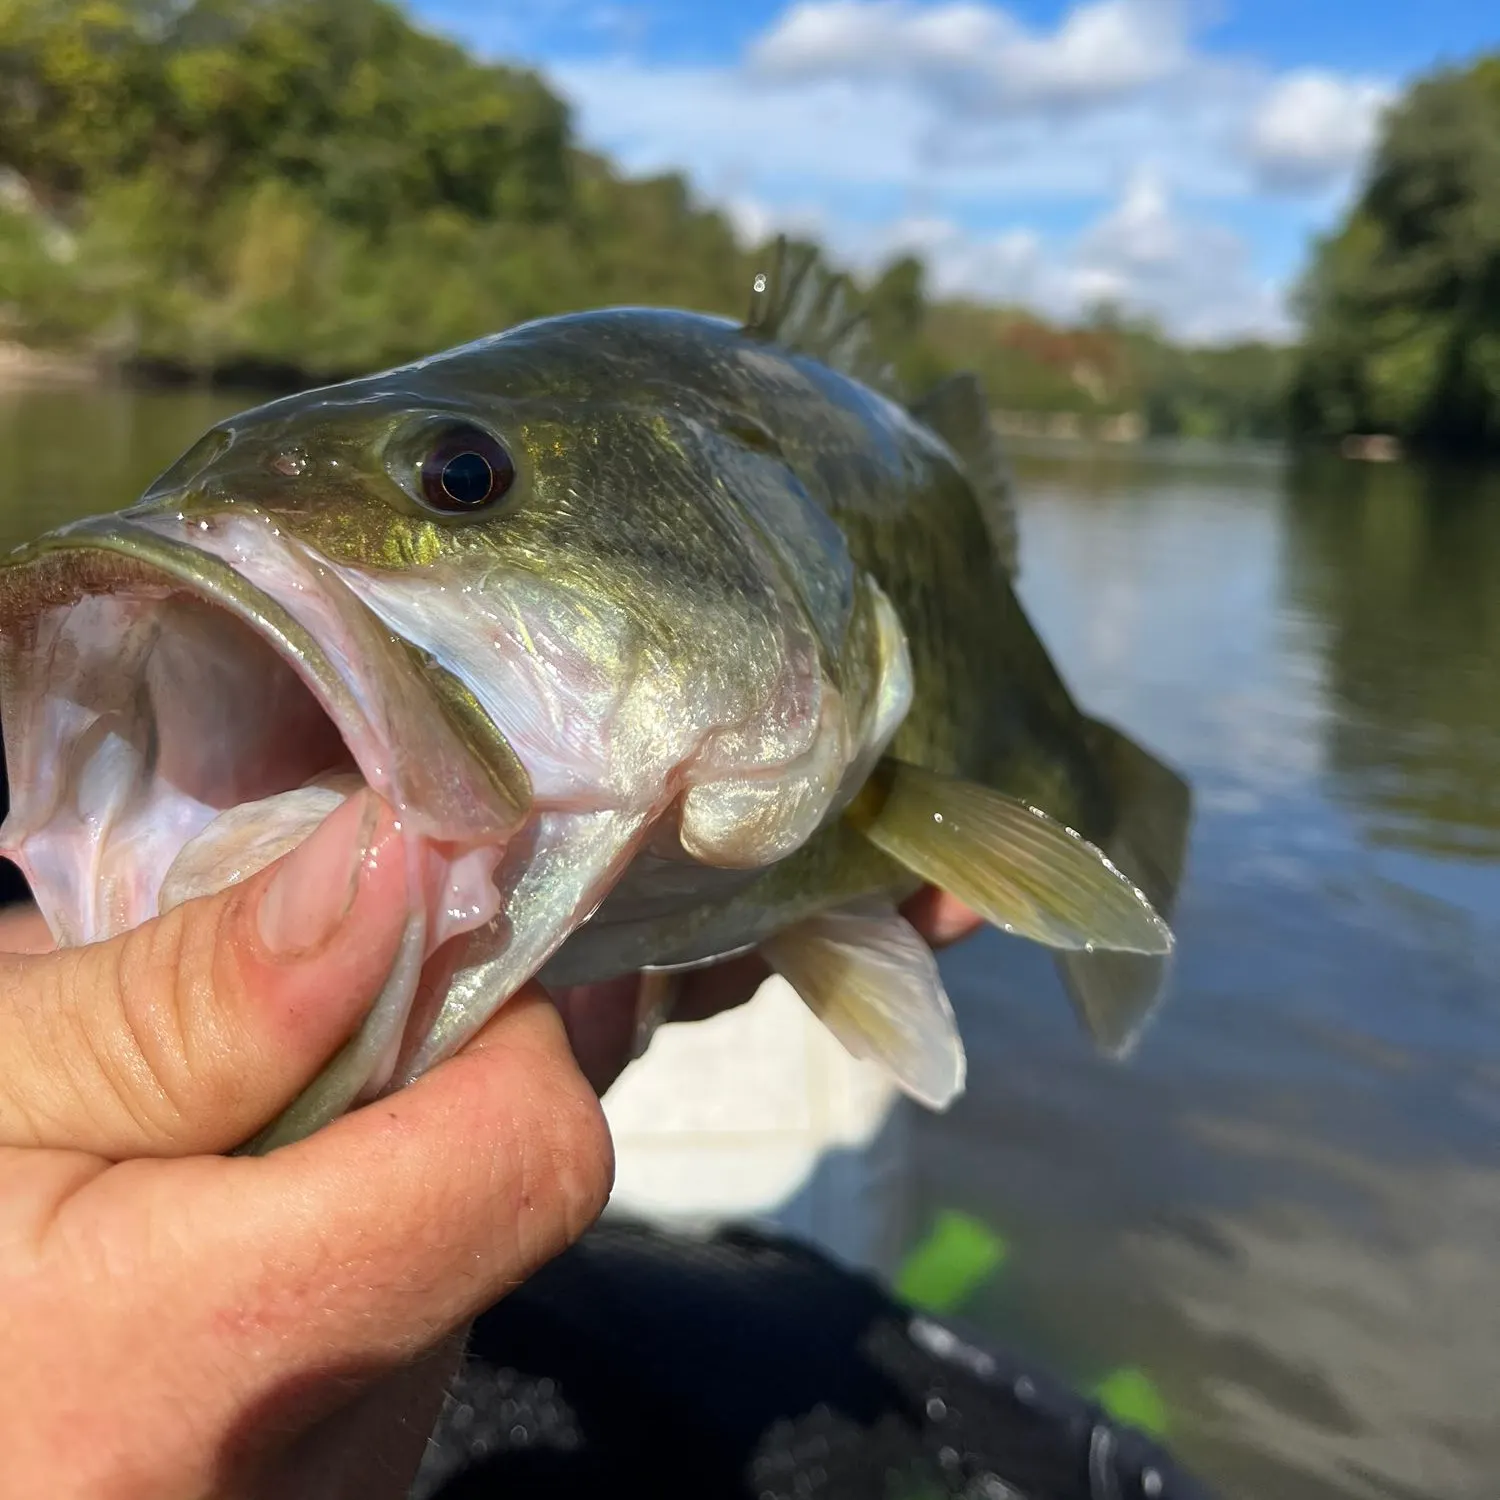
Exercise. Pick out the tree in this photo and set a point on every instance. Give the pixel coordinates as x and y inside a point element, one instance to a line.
<point>1402,304</point>
<point>307,189</point>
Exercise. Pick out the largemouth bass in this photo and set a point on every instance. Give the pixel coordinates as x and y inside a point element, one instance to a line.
<point>666,638</point>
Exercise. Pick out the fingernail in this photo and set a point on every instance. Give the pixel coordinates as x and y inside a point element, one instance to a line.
<point>314,887</point>
<point>655,996</point>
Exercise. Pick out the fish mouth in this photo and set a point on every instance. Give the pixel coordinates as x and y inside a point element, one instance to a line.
<point>172,726</point>
<point>148,687</point>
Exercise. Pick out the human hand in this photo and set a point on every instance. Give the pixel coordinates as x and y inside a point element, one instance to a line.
<point>187,1325</point>
<point>197,1326</point>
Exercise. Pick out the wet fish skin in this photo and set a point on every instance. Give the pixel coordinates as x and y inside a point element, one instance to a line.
<point>625,420</point>
<point>749,567</point>
<point>622,423</point>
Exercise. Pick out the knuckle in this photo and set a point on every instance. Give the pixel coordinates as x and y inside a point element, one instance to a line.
<point>102,1050</point>
<point>162,1050</point>
<point>563,1168</point>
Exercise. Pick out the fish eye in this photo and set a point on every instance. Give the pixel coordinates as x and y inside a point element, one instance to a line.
<point>465,470</point>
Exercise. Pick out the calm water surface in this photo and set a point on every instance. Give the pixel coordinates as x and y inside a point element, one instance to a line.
<point>1285,1212</point>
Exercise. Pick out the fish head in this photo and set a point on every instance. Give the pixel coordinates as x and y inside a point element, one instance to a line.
<point>551,621</point>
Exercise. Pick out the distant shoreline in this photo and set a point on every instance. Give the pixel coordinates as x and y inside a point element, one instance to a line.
<point>26,367</point>
<point>22,367</point>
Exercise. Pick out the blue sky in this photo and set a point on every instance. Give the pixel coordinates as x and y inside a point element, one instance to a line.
<point>1176,157</point>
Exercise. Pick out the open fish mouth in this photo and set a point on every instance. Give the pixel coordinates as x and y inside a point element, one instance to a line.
<point>176,718</point>
<point>151,687</point>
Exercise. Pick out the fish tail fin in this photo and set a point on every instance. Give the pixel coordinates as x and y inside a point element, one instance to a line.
<point>1116,994</point>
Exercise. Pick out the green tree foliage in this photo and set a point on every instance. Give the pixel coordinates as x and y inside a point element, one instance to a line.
<point>307,184</point>
<point>303,189</point>
<point>1402,304</point>
<point>1113,367</point>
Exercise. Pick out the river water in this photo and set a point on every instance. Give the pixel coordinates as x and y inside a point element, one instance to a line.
<point>1282,1218</point>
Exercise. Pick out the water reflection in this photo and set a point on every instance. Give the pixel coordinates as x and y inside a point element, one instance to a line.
<point>1401,568</point>
<point>70,453</point>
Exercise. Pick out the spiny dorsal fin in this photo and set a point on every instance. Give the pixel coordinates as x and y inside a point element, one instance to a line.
<point>799,304</point>
<point>957,411</point>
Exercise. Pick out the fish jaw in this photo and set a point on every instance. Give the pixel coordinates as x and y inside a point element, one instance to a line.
<point>651,778</point>
<point>147,688</point>
<point>171,728</point>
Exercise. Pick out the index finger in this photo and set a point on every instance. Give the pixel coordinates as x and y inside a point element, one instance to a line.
<point>941,919</point>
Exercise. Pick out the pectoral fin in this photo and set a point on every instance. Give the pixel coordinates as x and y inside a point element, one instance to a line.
<point>867,975</point>
<point>1018,868</point>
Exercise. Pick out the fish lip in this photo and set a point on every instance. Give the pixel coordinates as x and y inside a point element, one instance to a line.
<point>203,573</point>
<point>129,551</point>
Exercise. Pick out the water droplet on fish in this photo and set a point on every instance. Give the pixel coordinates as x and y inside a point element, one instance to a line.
<point>1088,947</point>
<point>202,525</point>
<point>937,817</point>
<point>760,282</point>
<point>291,462</point>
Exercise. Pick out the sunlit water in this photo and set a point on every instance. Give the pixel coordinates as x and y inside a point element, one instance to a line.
<point>1285,1211</point>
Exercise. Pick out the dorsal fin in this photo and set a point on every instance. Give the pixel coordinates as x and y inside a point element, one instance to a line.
<point>957,411</point>
<point>798,303</point>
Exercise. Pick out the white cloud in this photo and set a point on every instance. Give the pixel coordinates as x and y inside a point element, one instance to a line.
<point>1194,277</point>
<point>733,130</point>
<point>755,221</point>
<point>953,128</point>
<point>979,56</point>
<point>1314,128</point>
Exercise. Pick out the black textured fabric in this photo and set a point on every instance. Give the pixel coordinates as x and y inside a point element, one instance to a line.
<point>753,1368</point>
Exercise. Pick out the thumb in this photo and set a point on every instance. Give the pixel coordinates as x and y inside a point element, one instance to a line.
<point>188,1033</point>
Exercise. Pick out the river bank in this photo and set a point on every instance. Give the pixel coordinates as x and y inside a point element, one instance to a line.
<point>25,368</point>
